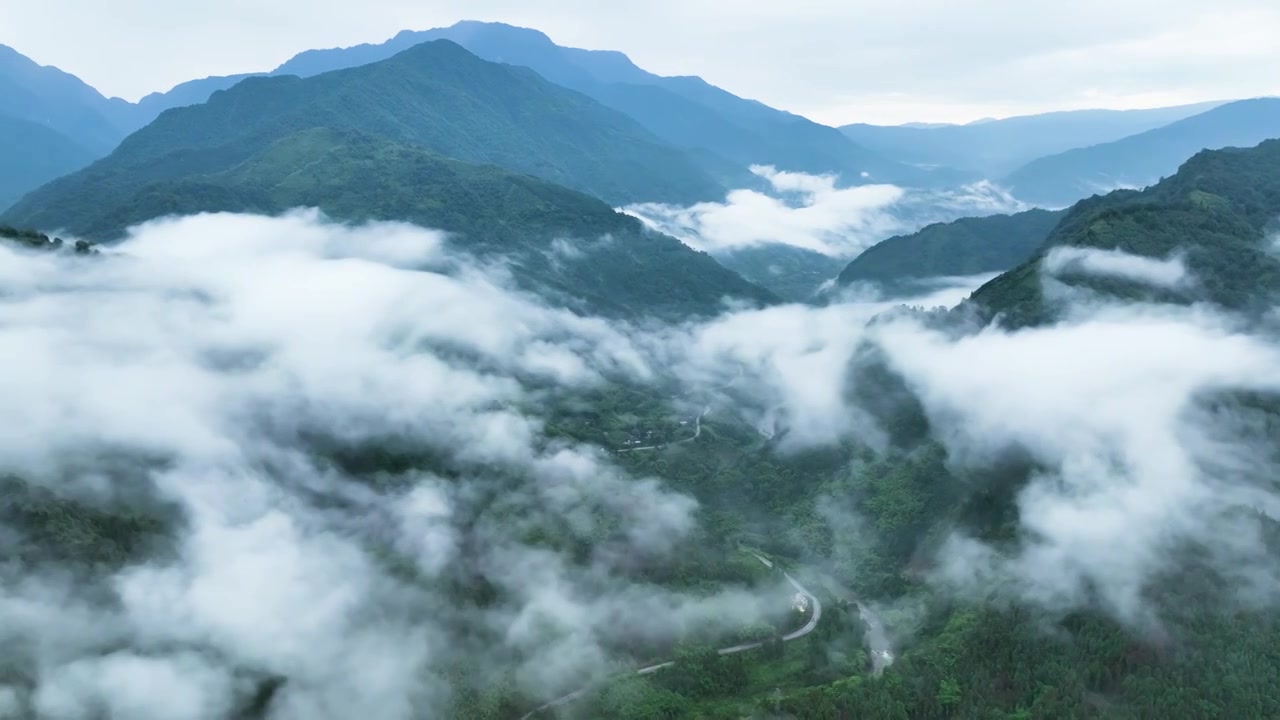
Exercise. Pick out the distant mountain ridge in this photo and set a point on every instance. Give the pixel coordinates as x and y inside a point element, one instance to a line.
<point>32,154</point>
<point>387,141</point>
<point>1142,159</point>
<point>437,96</point>
<point>51,123</point>
<point>724,132</point>
<point>992,148</point>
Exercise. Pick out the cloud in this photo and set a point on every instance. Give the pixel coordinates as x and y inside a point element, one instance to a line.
<point>1114,409</point>
<point>1170,273</point>
<point>244,380</point>
<point>789,365</point>
<point>344,432</point>
<point>814,213</point>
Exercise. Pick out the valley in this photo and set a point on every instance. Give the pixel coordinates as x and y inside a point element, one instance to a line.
<point>473,375</point>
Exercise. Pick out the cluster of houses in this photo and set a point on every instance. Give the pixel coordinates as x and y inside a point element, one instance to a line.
<point>647,438</point>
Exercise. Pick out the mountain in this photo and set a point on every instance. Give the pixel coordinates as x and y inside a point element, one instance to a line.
<point>192,92</point>
<point>791,272</point>
<point>993,148</point>
<point>435,95</point>
<point>1144,158</point>
<point>569,246</point>
<point>33,154</point>
<point>1215,211</point>
<point>51,123</point>
<point>685,111</point>
<point>968,246</point>
<point>61,102</point>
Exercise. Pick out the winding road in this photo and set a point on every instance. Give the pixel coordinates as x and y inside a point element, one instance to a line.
<point>814,618</point>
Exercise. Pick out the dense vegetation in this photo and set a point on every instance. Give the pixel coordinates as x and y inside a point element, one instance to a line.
<point>572,247</point>
<point>793,273</point>
<point>725,132</point>
<point>968,246</point>
<point>1216,210</point>
<point>976,658</point>
<point>989,657</point>
<point>1143,159</point>
<point>33,240</point>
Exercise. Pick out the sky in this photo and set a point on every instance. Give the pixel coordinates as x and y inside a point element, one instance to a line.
<point>835,61</point>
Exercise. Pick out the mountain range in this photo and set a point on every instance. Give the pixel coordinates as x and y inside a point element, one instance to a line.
<point>1215,212</point>
<point>1140,160</point>
<point>386,141</point>
<point>994,148</point>
<point>591,121</point>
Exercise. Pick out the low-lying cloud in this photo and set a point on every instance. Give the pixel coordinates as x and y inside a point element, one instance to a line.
<point>1134,467</point>
<point>1170,273</point>
<point>814,213</point>
<point>263,379</point>
<point>235,370</point>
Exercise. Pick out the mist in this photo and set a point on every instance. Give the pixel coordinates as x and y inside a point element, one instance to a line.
<point>229,375</point>
<point>236,376</point>
<point>814,212</point>
<point>1132,414</point>
<point>1170,273</point>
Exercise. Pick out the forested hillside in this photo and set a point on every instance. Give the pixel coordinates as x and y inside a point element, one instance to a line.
<point>977,656</point>
<point>1214,210</point>
<point>687,112</point>
<point>572,246</point>
<point>436,96</point>
<point>968,246</point>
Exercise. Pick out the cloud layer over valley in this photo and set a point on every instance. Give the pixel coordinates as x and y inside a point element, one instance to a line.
<point>817,213</point>
<point>247,387</point>
<point>336,448</point>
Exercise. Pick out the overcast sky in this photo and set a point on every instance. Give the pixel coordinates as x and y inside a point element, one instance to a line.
<point>836,61</point>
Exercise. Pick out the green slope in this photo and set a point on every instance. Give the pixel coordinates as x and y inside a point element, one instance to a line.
<point>436,96</point>
<point>686,111</point>
<point>1216,209</point>
<point>32,155</point>
<point>793,273</point>
<point>968,246</point>
<point>355,176</point>
<point>1209,655</point>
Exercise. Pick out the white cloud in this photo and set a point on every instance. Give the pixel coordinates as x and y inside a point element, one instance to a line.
<point>1107,405</point>
<point>1170,273</point>
<point>237,352</point>
<point>223,359</point>
<point>791,362</point>
<point>813,212</point>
